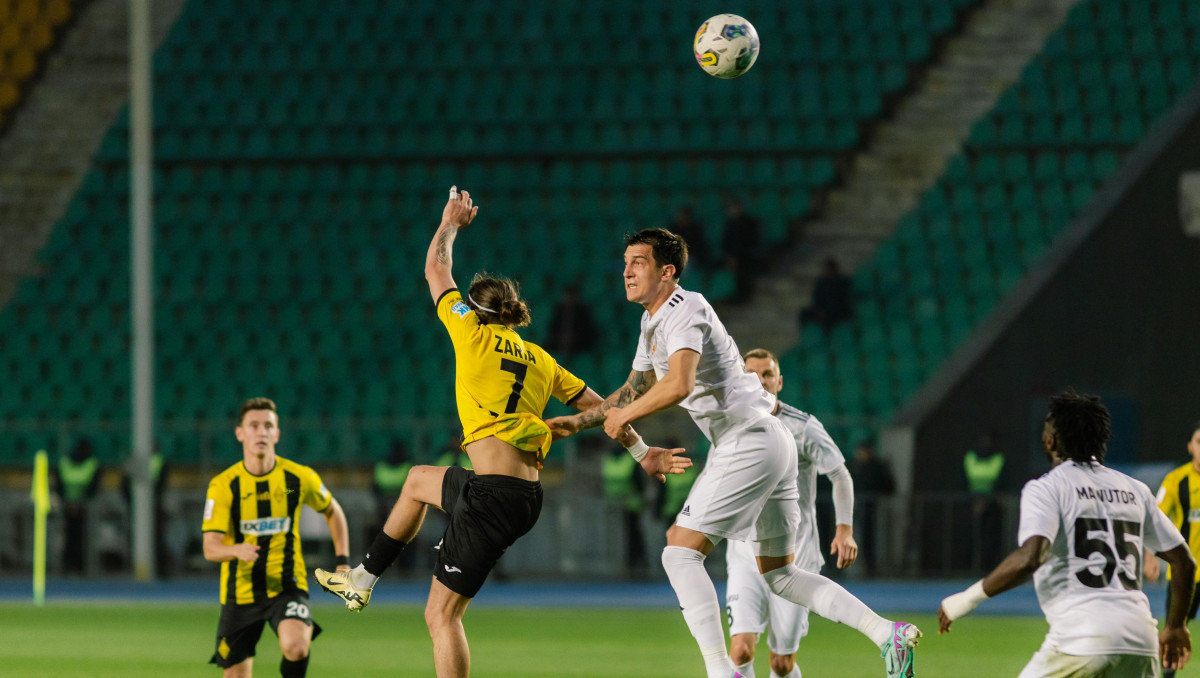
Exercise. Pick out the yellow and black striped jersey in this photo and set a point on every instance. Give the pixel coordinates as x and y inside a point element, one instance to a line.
<point>1179,498</point>
<point>502,382</point>
<point>263,510</point>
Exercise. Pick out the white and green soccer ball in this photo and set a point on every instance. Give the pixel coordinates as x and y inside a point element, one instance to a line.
<point>726,46</point>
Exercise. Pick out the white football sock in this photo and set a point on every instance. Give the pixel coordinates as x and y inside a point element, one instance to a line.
<point>747,669</point>
<point>794,673</point>
<point>361,578</point>
<point>701,611</point>
<point>828,599</point>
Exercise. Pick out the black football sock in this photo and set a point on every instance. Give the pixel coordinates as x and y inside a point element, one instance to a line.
<point>382,554</point>
<point>290,669</point>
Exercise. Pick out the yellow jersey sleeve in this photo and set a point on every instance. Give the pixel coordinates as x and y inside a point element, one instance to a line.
<point>460,320</point>
<point>216,507</point>
<point>315,494</point>
<point>566,387</point>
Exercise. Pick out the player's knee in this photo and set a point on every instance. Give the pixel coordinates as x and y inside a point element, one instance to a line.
<point>294,649</point>
<point>782,664</point>
<point>414,481</point>
<point>438,617</point>
<point>740,651</point>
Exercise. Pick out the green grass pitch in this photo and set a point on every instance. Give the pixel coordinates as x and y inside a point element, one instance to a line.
<point>94,640</point>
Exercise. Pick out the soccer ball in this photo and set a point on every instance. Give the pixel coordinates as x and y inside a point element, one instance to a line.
<point>726,46</point>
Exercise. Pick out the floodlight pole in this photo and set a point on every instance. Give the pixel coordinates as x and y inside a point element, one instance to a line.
<point>141,210</point>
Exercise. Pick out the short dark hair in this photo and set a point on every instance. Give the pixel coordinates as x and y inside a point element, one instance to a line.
<point>256,404</point>
<point>667,247</point>
<point>761,354</point>
<point>497,299</point>
<point>1082,426</point>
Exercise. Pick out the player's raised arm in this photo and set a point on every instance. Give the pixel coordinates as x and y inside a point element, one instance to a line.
<point>439,261</point>
<point>592,412</point>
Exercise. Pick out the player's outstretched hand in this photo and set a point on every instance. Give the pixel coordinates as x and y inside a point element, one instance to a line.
<point>459,210</point>
<point>246,552</point>
<point>562,427</point>
<point>844,547</point>
<point>1174,647</point>
<point>944,621</point>
<point>661,461</point>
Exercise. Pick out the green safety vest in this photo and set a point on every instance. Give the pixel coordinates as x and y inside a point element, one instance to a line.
<point>391,477</point>
<point>982,472</point>
<point>75,478</point>
<point>618,482</point>
<point>156,461</point>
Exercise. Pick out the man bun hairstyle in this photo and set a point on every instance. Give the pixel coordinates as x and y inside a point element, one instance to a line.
<point>256,404</point>
<point>497,300</point>
<point>667,247</point>
<point>1082,426</point>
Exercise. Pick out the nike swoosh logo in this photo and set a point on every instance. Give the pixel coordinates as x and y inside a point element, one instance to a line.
<point>452,569</point>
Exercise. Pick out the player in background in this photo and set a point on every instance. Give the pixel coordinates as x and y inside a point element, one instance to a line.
<point>1179,498</point>
<point>502,385</point>
<point>252,527</point>
<point>749,603</point>
<point>1082,530</point>
<point>748,487</point>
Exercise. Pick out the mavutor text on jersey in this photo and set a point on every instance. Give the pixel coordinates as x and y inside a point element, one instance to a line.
<point>506,347</point>
<point>1108,495</point>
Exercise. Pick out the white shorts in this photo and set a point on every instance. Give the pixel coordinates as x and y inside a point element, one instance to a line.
<point>752,608</point>
<point>747,487</point>
<point>1050,663</point>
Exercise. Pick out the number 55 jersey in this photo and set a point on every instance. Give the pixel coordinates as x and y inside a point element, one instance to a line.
<point>1098,521</point>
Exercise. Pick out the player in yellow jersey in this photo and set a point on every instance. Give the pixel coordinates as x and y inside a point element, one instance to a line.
<point>1179,498</point>
<point>251,527</point>
<point>502,385</point>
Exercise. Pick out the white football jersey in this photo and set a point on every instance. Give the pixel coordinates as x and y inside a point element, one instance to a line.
<point>1098,522</point>
<point>816,453</point>
<point>726,397</point>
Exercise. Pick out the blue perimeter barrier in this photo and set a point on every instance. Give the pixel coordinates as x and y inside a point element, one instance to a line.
<point>920,597</point>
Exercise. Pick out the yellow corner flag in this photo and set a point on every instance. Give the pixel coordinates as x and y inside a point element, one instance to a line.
<point>41,506</point>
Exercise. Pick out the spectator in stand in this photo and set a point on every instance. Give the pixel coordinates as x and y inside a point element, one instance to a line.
<point>832,300</point>
<point>741,243</point>
<point>872,480</point>
<point>685,224</point>
<point>572,329</point>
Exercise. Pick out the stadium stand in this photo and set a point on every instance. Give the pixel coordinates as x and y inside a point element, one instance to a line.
<point>302,154</point>
<point>27,31</point>
<point>1028,168</point>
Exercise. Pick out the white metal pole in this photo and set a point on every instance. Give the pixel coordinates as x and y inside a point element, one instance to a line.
<point>141,157</point>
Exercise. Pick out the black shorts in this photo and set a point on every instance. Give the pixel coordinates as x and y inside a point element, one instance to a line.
<point>1195,601</point>
<point>487,514</point>
<point>241,625</point>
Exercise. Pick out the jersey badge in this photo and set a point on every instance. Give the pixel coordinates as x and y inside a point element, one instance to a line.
<point>460,309</point>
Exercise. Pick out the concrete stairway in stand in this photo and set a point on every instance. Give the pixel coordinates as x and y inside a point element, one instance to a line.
<point>48,148</point>
<point>905,157</point>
